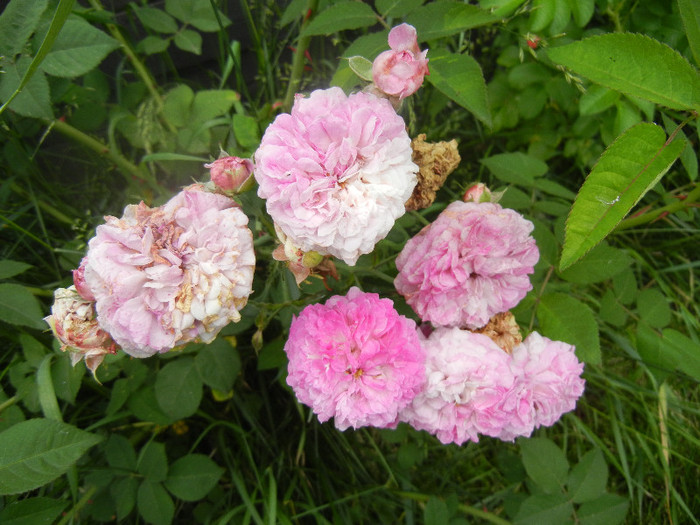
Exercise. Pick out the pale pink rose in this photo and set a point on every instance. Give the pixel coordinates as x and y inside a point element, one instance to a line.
<point>355,359</point>
<point>79,282</point>
<point>477,193</point>
<point>468,377</point>
<point>400,72</point>
<point>73,322</point>
<point>471,263</point>
<point>550,372</point>
<point>165,276</point>
<point>230,174</point>
<point>336,172</point>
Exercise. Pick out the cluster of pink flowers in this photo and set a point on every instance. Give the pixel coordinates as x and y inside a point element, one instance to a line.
<point>158,278</point>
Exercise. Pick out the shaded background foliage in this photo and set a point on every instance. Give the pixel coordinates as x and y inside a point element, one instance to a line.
<point>212,434</point>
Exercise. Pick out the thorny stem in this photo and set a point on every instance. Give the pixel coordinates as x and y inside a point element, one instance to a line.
<point>298,62</point>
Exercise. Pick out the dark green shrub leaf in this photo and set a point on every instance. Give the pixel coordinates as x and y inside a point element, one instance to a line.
<point>339,17</point>
<point>218,364</point>
<point>545,463</point>
<point>67,378</point>
<point>542,14</point>
<point>653,308</point>
<point>397,8</point>
<point>78,48</point>
<point>176,105</point>
<point>178,388</point>
<point>120,453</point>
<point>145,407</point>
<point>631,166</point>
<point>18,21</point>
<point>564,318</point>
<point>368,46</point>
<point>155,504</point>
<point>588,478</point>
<point>690,14</point>
<point>247,132</point>
<point>562,15</point>
<point>683,351</point>
<point>460,78</point>
<point>635,64</point>
<point>211,103</point>
<point>625,286</point>
<point>649,347</point>
<point>37,451</point>
<point>189,41</point>
<point>152,462</point>
<point>19,307</point>
<point>444,18</point>
<point>597,99</point>
<point>153,44</point>
<point>515,168</point>
<point>544,509</point>
<point>601,263</point>
<point>611,311</point>
<point>609,509</point>
<point>294,10</point>
<point>191,477</point>
<point>582,11</point>
<point>155,19</point>
<point>32,350</point>
<point>198,13</point>
<point>32,511</point>
<point>436,512</point>
<point>123,492</point>
<point>272,355</point>
<point>10,268</point>
<point>34,99</point>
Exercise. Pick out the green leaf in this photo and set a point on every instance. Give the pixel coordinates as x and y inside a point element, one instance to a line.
<point>175,157</point>
<point>397,8</point>
<point>611,311</point>
<point>211,103</point>
<point>191,477</point>
<point>597,99</point>
<point>32,349</point>
<point>368,46</point>
<point>544,509</point>
<point>36,451</point>
<point>218,364</point>
<point>629,168</point>
<point>45,391</point>
<point>19,307</point>
<point>515,168</point>
<point>176,105</point>
<point>120,453</point>
<point>67,378</point>
<point>198,13</point>
<point>435,512</point>
<point>562,15</point>
<point>145,407</point>
<point>683,351</point>
<point>583,11</point>
<point>153,44</point>
<point>189,41</point>
<point>653,308</point>
<point>294,10</point>
<point>17,22</point>
<point>155,19</point>
<point>339,17</point>
<point>588,478</point>
<point>123,493</point>
<point>545,463</point>
<point>635,64</point>
<point>32,511</point>
<point>78,48</point>
<point>439,19</point>
<point>361,67</point>
<point>34,99</point>
<point>609,509</point>
<point>153,462</point>
<point>9,268</point>
<point>247,132</point>
<point>564,318</point>
<point>272,355</point>
<point>178,388</point>
<point>155,504</point>
<point>542,14</point>
<point>690,14</point>
<point>600,264</point>
<point>460,78</point>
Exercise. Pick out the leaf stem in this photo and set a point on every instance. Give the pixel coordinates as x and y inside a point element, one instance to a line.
<point>72,514</point>
<point>298,62</point>
<point>648,217</point>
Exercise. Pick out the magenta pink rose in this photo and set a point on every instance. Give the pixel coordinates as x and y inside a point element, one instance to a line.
<point>400,72</point>
<point>355,359</point>
<point>471,263</point>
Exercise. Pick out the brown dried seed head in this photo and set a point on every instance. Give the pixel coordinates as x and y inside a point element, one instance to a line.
<point>435,160</point>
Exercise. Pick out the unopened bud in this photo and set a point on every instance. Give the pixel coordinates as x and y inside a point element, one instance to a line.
<point>231,174</point>
<point>477,193</point>
<point>257,340</point>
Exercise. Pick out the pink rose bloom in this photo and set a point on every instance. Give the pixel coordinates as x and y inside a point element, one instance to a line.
<point>400,72</point>
<point>336,172</point>
<point>73,323</point>
<point>165,276</point>
<point>471,263</point>
<point>230,174</point>
<point>550,372</point>
<point>468,377</point>
<point>355,359</point>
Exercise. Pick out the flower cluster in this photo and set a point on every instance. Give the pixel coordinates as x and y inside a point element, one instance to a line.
<point>158,278</point>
